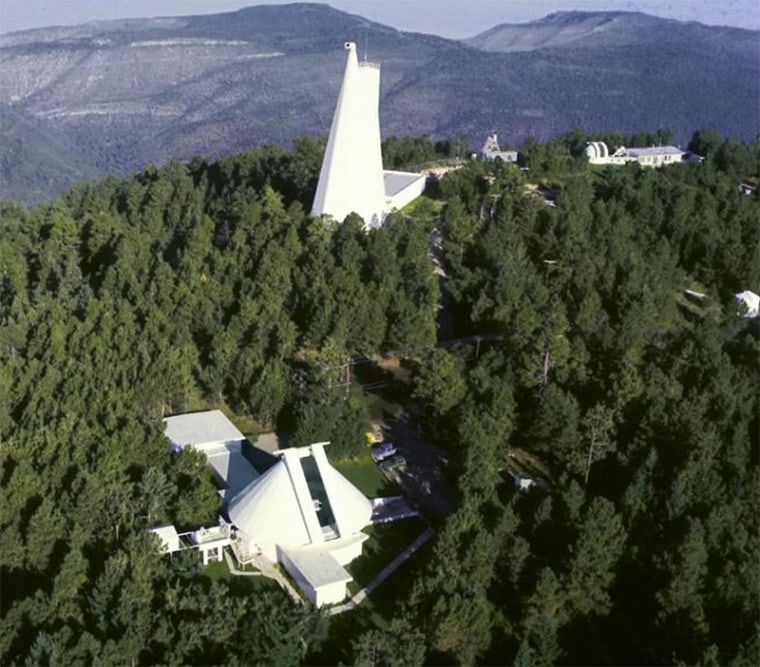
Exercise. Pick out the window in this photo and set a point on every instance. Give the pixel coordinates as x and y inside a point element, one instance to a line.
<point>318,493</point>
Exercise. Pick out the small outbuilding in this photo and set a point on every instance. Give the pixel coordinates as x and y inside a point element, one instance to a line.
<point>212,433</point>
<point>491,150</point>
<point>208,430</point>
<point>318,574</point>
<point>749,301</point>
<point>169,538</point>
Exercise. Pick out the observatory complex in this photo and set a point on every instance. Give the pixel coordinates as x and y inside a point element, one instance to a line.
<point>653,156</point>
<point>299,512</point>
<point>352,178</point>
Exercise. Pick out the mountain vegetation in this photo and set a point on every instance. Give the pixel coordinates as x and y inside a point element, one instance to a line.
<point>206,284</point>
<point>119,95</point>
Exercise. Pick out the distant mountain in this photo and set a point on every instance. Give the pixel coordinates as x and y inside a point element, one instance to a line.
<point>113,96</point>
<point>36,161</point>
<point>592,30</point>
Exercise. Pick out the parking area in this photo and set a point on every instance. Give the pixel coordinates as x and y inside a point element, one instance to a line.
<point>422,481</point>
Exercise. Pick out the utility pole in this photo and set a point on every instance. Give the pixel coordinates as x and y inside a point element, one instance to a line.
<point>590,455</point>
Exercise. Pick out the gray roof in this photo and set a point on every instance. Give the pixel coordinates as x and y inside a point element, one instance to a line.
<point>654,150</point>
<point>396,181</point>
<point>232,468</point>
<point>318,567</point>
<point>200,428</point>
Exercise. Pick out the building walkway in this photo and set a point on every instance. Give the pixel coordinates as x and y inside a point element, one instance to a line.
<point>234,569</point>
<point>389,569</point>
<point>268,569</point>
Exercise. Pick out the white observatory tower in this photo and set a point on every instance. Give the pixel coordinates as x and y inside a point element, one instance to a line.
<point>351,178</point>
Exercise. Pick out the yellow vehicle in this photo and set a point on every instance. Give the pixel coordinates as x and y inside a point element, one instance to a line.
<point>375,436</point>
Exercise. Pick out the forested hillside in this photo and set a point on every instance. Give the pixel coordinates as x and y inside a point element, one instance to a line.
<point>205,283</point>
<point>118,95</point>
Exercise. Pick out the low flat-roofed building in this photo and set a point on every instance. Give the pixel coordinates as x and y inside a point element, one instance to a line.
<point>402,188</point>
<point>318,574</point>
<point>169,538</point>
<point>648,156</point>
<point>211,542</point>
<point>206,430</point>
<point>212,433</point>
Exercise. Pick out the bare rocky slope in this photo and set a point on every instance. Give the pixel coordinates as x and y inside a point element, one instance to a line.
<point>117,95</point>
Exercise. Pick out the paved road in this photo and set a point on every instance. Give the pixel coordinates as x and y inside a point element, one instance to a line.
<point>423,481</point>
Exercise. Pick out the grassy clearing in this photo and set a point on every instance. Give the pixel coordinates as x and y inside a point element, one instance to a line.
<point>217,571</point>
<point>365,476</point>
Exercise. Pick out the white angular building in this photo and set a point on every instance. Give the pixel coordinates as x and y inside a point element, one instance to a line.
<point>300,512</point>
<point>304,514</point>
<point>352,177</point>
<point>301,501</point>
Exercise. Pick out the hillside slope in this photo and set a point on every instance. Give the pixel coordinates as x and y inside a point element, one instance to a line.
<point>127,93</point>
<point>611,29</point>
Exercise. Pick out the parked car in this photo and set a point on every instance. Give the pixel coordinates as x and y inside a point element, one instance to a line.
<point>393,463</point>
<point>383,451</point>
<point>374,436</point>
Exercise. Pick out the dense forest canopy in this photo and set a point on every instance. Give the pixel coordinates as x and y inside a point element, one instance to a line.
<point>206,283</point>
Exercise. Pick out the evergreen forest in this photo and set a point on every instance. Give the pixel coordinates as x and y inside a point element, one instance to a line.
<point>206,284</point>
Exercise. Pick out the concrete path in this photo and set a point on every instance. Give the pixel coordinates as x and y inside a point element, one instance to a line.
<point>269,570</point>
<point>389,569</point>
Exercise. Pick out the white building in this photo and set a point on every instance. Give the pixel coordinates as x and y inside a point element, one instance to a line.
<point>491,150</point>
<point>352,177</point>
<point>169,538</point>
<point>304,514</point>
<point>301,512</point>
<point>749,301</point>
<point>217,437</point>
<point>210,542</point>
<point>653,156</point>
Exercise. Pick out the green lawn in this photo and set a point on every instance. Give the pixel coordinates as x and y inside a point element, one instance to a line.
<point>365,476</point>
<point>240,585</point>
<point>217,571</point>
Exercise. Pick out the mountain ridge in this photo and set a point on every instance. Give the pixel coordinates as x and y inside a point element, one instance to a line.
<point>606,28</point>
<point>126,93</point>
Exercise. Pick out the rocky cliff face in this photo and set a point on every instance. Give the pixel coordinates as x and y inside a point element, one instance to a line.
<point>117,95</point>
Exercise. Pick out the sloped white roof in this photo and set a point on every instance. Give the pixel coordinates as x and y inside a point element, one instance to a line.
<point>267,510</point>
<point>201,428</point>
<point>278,509</point>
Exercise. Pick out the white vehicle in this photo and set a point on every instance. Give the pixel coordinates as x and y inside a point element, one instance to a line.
<point>383,451</point>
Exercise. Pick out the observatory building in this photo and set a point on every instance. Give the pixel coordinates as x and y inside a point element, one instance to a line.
<point>301,503</point>
<point>653,156</point>
<point>352,178</point>
<point>299,511</point>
